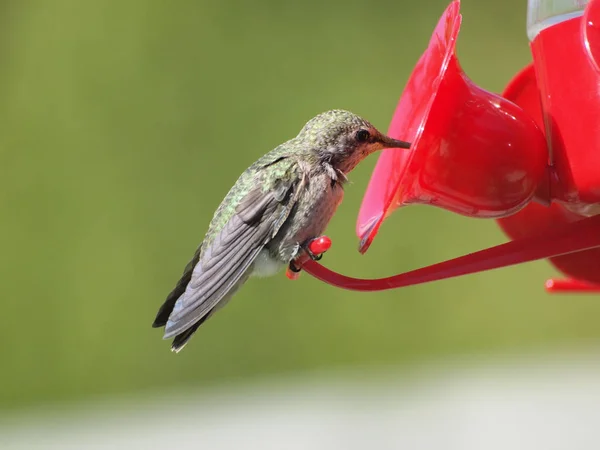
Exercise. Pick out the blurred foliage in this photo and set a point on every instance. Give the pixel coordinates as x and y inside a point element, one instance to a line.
<point>124,123</point>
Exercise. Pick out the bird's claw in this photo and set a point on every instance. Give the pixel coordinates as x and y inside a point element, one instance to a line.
<point>293,271</point>
<point>316,247</point>
<point>294,268</point>
<point>312,249</point>
<point>311,255</point>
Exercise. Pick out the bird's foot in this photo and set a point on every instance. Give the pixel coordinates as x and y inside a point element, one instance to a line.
<point>312,249</point>
<point>292,272</point>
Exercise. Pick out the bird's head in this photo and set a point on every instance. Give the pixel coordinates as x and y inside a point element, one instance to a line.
<point>343,139</point>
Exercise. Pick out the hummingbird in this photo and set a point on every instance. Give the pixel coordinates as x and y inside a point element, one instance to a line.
<point>274,210</point>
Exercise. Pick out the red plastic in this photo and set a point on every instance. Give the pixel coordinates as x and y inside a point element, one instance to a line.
<point>574,176</point>
<point>567,191</point>
<point>317,246</point>
<point>473,152</point>
<point>581,235</point>
<point>566,65</point>
<point>554,286</point>
<point>291,275</point>
<point>536,219</point>
<point>523,90</point>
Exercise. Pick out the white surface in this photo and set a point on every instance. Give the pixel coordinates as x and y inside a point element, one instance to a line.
<point>520,405</point>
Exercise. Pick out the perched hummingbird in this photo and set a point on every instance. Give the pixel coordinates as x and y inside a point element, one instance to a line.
<point>276,207</point>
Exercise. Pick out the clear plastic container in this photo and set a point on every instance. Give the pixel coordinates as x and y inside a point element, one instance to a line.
<point>542,14</point>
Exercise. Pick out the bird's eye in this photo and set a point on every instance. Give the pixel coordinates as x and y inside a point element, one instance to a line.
<point>362,135</point>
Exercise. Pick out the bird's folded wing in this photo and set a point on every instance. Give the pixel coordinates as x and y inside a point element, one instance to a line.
<point>226,259</point>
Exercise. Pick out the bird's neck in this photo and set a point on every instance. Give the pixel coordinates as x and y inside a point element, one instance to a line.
<point>339,163</point>
<point>347,164</point>
<point>336,175</point>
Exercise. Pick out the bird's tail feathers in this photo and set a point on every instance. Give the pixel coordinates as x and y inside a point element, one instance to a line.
<point>182,339</point>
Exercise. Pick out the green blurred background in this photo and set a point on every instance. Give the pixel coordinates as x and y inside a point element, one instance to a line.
<point>124,123</point>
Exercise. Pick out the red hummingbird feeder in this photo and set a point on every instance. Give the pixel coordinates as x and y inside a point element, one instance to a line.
<point>529,158</point>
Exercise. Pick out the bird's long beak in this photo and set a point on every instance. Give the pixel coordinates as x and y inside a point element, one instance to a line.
<point>388,142</point>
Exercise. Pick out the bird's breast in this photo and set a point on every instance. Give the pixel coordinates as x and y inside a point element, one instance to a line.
<point>265,265</point>
<point>317,204</point>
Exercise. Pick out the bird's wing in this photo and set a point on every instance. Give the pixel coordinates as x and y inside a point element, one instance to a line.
<point>228,256</point>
